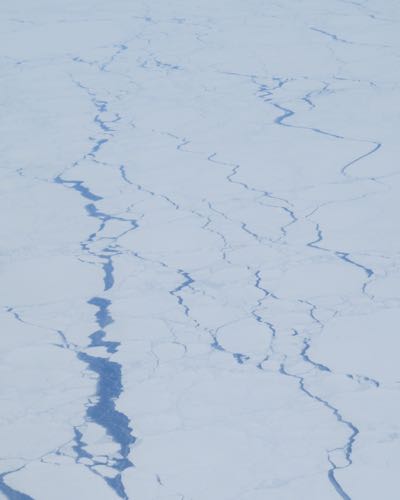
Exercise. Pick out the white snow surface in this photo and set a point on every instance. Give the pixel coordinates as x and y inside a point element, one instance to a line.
<point>200,267</point>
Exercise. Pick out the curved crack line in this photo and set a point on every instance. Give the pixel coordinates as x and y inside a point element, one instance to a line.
<point>320,366</point>
<point>344,256</point>
<point>124,176</point>
<point>11,493</point>
<point>284,228</point>
<point>240,358</point>
<point>188,280</point>
<point>307,97</point>
<point>266,93</point>
<point>347,449</point>
<point>206,227</point>
<point>348,446</point>
<point>331,35</point>
<point>64,341</point>
<point>255,314</point>
<point>306,358</point>
<point>229,177</point>
<point>287,113</point>
<point>186,283</point>
<point>109,251</point>
<point>377,146</point>
<point>233,173</point>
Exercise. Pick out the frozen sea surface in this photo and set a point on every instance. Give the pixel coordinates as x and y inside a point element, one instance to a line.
<point>200,268</point>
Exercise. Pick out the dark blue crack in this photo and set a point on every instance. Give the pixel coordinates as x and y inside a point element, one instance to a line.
<point>307,359</point>
<point>103,316</point>
<point>345,257</point>
<point>160,64</point>
<point>313,308</point>
<point>108,252</point>
<point>15,314</point>
<point>100,105</point>
<point>335,483</point>
<point>64,341</point>
<point>370,380</point>
<point>79,447</point>
<point>188,280</point>
<point>267,293</point>
<point>377,146</point>
<point>258,318</point>
<point>331,35</point>
<point>184,143</point>
<point>287,113</point>
<point>240,358</point>
<point>83,61</point>
<point>101,409</point>
<point>10,493</point>
<point>99,143</point>
<point>293,217</point>
<point>78,186</point>
<point>226,246</point>
<point>229,177</point>
<point>347,448</point>
<point>307,98</point>
<point>117,485</point>
<point>104,412</point>
<point>97,341</point>
<point>123,174</point>
<point>65,344</point>
<point>266,93</point>
<point>102,124</point>
<point>234,172</point>
<point>313,244</point>
<point>108,389</point>
<point>263,193</point>
<point>108,269</point>
<point>121,47</point>
<point>244,227</point>
<point>216,345</point>
<point>148,191</point>
<point>93,211</point>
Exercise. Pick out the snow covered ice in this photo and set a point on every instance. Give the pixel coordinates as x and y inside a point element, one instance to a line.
<point>200,267</point>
